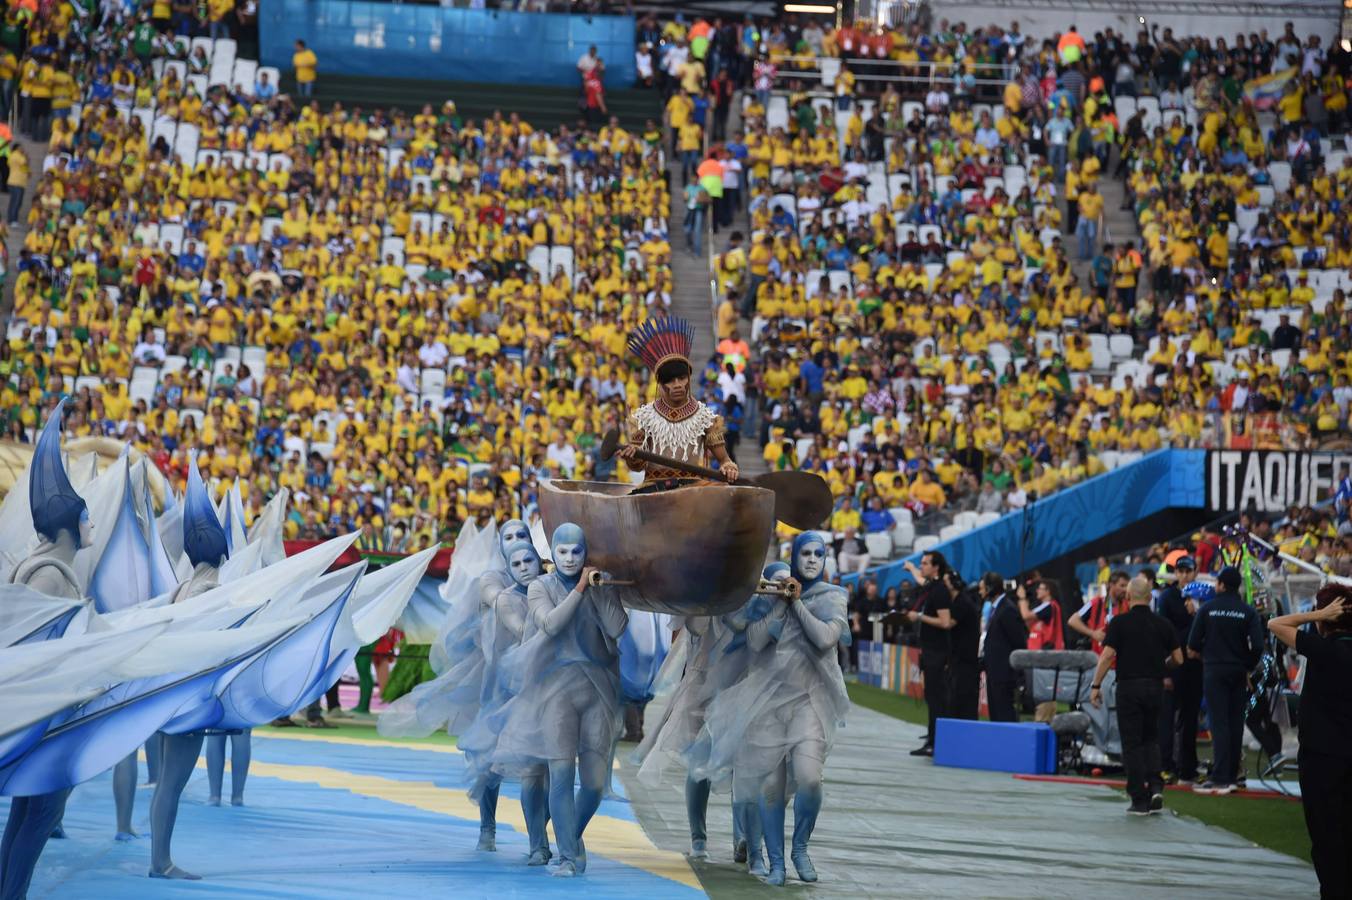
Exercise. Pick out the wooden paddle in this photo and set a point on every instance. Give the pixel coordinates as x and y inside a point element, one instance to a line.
<point>802,499</point>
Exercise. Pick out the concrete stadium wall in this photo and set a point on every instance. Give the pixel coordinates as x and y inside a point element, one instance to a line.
<point>1044,19</point>
<point>435,43</point>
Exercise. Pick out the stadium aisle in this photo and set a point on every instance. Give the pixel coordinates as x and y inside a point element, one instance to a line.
<point>895,825</point>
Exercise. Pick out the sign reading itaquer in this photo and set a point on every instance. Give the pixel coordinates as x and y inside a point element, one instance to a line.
<point>1270,481</point>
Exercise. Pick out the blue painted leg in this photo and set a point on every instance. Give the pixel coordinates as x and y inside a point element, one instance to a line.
<point>178,759</point>
<point>563,810</point>
<point>772,821</point>
<point>153,759</point>
<point>31,821</point>
<point>215,768</point>
<point>748,813</point>
<point>241,754</point>
<point>535,808</point>
<point>696,811</point>
<point>488,813</point>
<point>124,797</point>
<point>591,787</point>
<point>807,803</point>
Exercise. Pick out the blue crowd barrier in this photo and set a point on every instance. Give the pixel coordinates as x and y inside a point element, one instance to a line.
<point>438,43</point>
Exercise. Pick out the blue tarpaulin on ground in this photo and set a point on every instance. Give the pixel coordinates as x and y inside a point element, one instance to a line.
<point>327,820</point>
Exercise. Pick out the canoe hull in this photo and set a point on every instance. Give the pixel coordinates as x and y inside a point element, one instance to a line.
<point>693,551</point>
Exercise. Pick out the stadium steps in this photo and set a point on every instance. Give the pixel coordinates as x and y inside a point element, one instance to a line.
<point>36,153</point>
<point>1120,224</point>
<point>541,106</point>
<point>690,297</point>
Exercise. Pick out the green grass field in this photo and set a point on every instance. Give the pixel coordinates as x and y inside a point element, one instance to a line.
<point>1275,823</point>
<point>363,729</point>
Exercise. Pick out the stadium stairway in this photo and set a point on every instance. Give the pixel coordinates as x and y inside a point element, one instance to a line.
<point>541,106</point>
<point>1119,223</point>
<point>690,297</point>
<point>36,151</point>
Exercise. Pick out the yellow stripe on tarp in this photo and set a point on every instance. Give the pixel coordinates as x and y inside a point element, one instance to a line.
<point>614,839</point>
<point>302,735</point>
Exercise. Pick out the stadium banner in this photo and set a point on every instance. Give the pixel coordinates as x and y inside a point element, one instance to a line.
<point>1269,481</point>
<point>891,667</point>
<point>442,43</point>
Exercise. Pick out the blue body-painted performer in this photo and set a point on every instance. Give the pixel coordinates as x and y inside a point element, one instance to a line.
<point>731,668</point>
<point>504,626</point>
<point>461,654</point>
<point>205,545</point>
<point>61,519</point>
<point>776,726</point>
<point>568,711</point>
<point>717,658</point>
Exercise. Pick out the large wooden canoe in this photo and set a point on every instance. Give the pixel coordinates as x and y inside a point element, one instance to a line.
<point>692,551</point>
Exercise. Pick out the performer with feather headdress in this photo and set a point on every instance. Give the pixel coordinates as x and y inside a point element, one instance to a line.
<point>675,425</point>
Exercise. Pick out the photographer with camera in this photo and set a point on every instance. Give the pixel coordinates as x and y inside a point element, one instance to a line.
<point>933,612</point>
<point>1005,633</point>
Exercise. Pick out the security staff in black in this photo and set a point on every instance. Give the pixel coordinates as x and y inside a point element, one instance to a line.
<point>964,666</point>
<point>1227,636</point>
<point>934,613</point>
<point>1183,690</point>
<point>1325,724</point>
<point>1143,645</point>
<point>1005,633</point>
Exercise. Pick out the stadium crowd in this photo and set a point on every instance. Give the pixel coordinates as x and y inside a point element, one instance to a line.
<point>925,333</point>
<point>921,331</point>
<point>373,309</point>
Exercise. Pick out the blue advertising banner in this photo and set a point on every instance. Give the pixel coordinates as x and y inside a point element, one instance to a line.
<point>440,43</point>
<point>1070,518</point>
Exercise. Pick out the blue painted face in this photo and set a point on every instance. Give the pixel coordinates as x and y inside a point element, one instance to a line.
<point>512,531</point>
<point>569,549</point>
<point>523,563</point>
<point>809,557</point>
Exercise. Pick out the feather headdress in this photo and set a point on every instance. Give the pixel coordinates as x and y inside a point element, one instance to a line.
<point>657,341</point>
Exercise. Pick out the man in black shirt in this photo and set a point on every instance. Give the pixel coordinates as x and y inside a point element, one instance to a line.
<point>1005,633</point>
<point>1286,336</point>
<point>1143,644</point>
<point>1228,637</point>
<point>1183,689</point>
<point>1325,723</point>
<point>964,667</point>
<point>933,611</point>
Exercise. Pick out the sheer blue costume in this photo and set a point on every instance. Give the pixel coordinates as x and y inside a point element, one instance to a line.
<point>566,712</point>
<point>61,519</point>
<point>715,657</point>
<point>206,546</point>
<point>775,727</point>
<point>503,626</point>
<point>451,700</point>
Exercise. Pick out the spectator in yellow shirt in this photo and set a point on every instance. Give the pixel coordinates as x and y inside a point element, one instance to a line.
<point>18,183</point>
<point>1090,204</point>
<point>846,518</point>
<point>304,62</point>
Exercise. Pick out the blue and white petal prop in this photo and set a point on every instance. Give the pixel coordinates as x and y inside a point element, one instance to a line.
<point>28,616</point>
